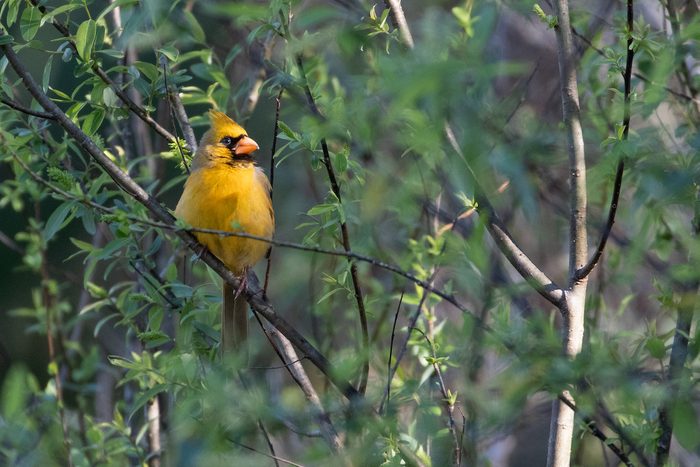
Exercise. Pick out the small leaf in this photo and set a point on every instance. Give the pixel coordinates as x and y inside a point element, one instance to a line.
<point>93,121</point>
<point>57,220</point>
<point>29,24</point>
<point>656,347</point>
<point>686,428</point>
<point>85,39</point>
<point>195,28</point>
<point>6,39</point>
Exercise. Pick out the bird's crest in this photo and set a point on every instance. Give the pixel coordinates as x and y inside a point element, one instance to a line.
<point>222,125</point>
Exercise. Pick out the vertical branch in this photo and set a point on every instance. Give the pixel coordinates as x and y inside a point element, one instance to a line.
<point>573,307</point>
<point>273,150</point>
<point>627,76</point>
<point>153,416</point>
<point>400,21</point>
<point>47,301</point>
<point>335,187</point>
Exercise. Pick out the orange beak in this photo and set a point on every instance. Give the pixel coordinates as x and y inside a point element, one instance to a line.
<point>245,146</point>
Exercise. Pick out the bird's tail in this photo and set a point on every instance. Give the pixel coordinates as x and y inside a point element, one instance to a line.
<point>234,322</point>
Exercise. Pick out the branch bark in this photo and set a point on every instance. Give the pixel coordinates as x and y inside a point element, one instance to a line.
<point>573,307</point>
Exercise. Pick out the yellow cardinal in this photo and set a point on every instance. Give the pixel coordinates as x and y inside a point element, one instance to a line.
<point>226,191</point>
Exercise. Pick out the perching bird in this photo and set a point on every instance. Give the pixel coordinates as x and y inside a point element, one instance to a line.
<point>227,191</point>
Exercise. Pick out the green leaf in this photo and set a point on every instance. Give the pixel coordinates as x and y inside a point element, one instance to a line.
<point>93,121</point>
<point>57,220</point>
<point>12,11</point>
<point>656,347</point>
<point>109,97</point>
<point>115,4</point>
<point>85,39</point>
<point>195,28</point>
<point>29,24</point>
<point>145,397</point>
<point>57,11</point>
<point>6,39</point>
<point>686,427</point>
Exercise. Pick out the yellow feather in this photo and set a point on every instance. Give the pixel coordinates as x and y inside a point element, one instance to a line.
<point>226,191</point>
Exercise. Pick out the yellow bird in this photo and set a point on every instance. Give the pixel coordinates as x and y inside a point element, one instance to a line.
<point>227,191</point>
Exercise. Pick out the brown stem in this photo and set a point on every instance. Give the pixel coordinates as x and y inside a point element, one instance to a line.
<point>25,110</point>
<point>627,75</point>
<point>47,301</point>
<point>273,150</point>
<point>335,187</point>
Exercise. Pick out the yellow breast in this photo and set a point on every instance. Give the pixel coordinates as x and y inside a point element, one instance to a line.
<point>232,199</point>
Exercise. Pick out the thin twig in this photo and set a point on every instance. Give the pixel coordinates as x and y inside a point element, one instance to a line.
<point>11,244</point>
<point>449,405</point>
<point>273,150</point>
<point>276,458</point>
<point>138,110</point>
<point>335,187</point>
<point>293,364</point>
<point>160,213</point>
<point>399,20</point>
<point>25,110</point>
<point>172,105</point>
<point>627,75</point>
<point>47,301</point>
<point>391,349</point>
<point>499,232</point>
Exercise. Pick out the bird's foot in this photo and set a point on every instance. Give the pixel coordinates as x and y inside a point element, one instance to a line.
<point>242,285</point>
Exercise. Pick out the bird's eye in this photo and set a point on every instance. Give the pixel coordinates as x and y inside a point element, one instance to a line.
<point>230,142</point>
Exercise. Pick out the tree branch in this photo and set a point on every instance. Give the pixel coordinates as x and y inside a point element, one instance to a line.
<point>400,22</point>
<point>499,232</point>
<point>25,110</point>
<point>627,76</point>
<point>362,386</point>
<point>135,108</point>
<point>574,305</point>
<point>159,212</point>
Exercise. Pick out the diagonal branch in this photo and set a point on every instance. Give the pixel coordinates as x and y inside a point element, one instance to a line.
<point>499,232</point>
<point>162,214</point>
<point>25,110</point>
<point>627,75</point>
<point>135,108</point>
<point>400,22</point>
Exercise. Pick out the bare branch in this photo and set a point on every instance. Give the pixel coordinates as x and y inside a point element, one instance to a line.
<point>517,258</point>
<point>296,369</point>
<point>25,110</point>
<point>573,306</point>
<point>400,22</point>
<point>627,75</point>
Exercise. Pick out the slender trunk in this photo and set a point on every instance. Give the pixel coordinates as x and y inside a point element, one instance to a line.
<point>561,428</point>
<point>573,306</point>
